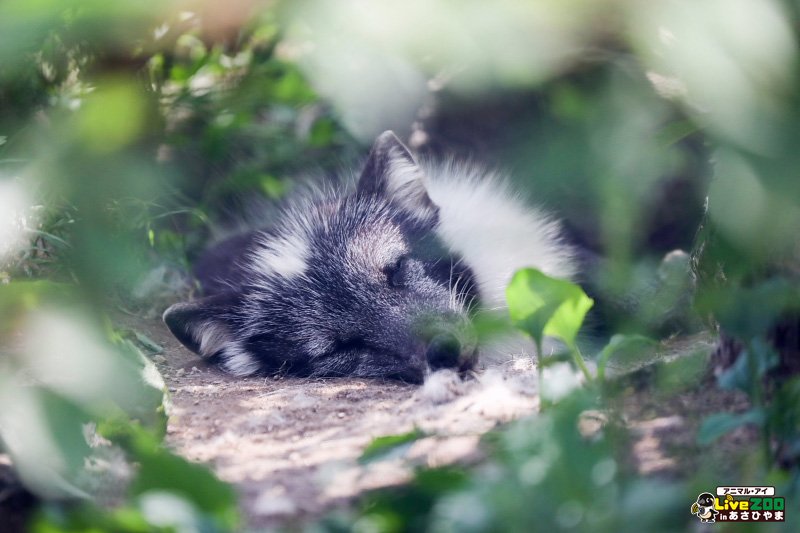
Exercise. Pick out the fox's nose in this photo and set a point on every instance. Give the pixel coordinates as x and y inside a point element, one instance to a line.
<point>444,351</point>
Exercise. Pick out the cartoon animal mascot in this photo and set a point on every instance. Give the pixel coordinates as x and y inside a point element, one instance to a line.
<point>704,508</point>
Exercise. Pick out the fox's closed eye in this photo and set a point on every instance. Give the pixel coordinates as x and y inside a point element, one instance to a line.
<point>396,272</point>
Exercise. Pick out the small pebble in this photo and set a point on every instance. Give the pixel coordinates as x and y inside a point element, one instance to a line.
<point>341,414</point>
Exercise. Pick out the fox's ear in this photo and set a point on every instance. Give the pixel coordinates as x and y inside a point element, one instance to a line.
<point>205,328</point>
<point>392,172</point>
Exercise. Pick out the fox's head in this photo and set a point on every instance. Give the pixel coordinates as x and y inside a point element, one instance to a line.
<point>353,284</point>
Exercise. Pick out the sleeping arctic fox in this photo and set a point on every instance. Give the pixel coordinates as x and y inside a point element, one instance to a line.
<point>377,281</point>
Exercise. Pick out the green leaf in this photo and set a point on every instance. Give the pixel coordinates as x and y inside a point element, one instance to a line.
<point>382,447</point>
<point>751,312</point>
<point>753,362</point>
<point>684,372</point>
<point>272,186</point>
<point>627,351</point>
<point>321,133</point>
<point>161,471</point>
<point>293,88</point>
<point>146,393</point>
<point>27,295</point>
<point>43,433</point>
<point>544,306</point>
<point>718,424</point>
<point>147,342</point>
<point>58,517</point>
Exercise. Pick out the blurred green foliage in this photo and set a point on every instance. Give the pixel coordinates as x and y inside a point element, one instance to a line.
<point>546,473</point>
<point>388,445</point>
<point>125,129</point>
<point>543,307</point>
<point>133,132</point>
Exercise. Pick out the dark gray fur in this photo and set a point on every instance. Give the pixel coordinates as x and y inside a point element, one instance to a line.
<point>357,285</point>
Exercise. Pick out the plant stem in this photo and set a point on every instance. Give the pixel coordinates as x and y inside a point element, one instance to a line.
<point>540,371</point>
<point>578,358</point>
<point>757,399</point>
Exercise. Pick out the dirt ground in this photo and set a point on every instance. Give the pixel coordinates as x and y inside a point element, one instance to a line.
<point>291,446</point>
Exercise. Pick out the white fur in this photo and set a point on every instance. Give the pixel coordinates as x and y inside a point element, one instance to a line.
<point>405,186</point>
<point>487,223</point>
<point>482,219</point>
<point>214,338</point>
<point>442,386</point>
<point>237,360</point>
<point>285,255</point>
<point>402,172</point>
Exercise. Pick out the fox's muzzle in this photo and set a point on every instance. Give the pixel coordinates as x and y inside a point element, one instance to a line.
<point>451,344</point>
